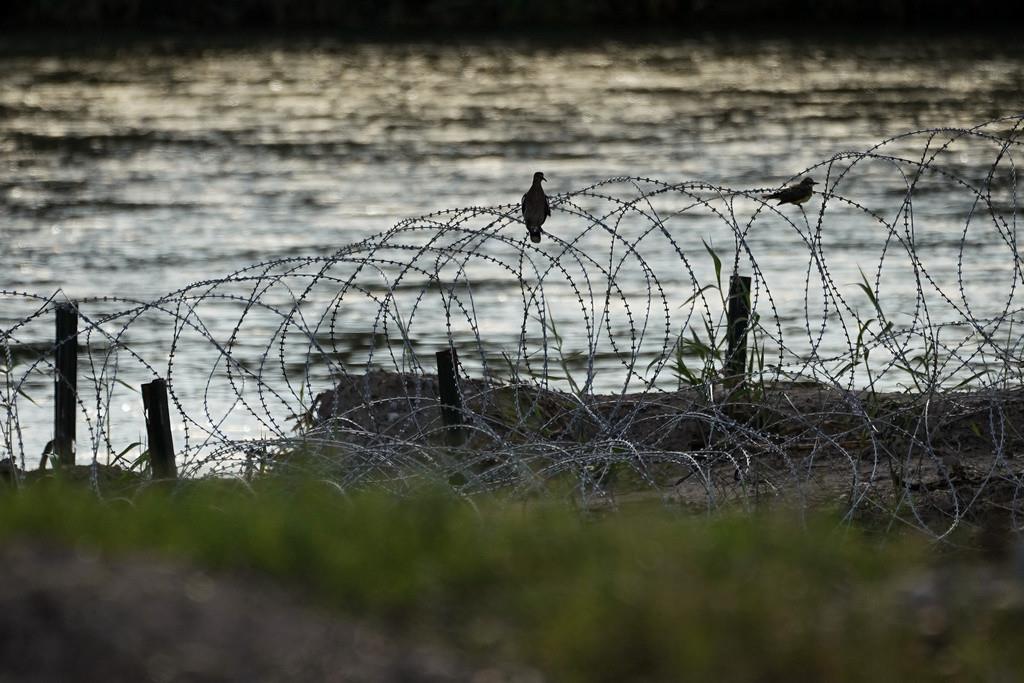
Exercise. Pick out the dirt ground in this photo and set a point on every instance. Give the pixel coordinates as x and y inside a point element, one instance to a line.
<point>69,615</point>
<point>928,458</point>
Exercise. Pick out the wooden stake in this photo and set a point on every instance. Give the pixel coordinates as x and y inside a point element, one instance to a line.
<point>65,389</point>
<point>738,322</point>
<point>158,427</point>
<point>451,399</point>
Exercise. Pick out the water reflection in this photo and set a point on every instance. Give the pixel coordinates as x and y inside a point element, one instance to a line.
<point>138,173</point>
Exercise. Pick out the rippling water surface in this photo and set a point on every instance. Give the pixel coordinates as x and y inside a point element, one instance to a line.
<point>137,172</point>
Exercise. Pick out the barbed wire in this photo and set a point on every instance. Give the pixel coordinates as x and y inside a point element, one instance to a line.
<point>883,375</point>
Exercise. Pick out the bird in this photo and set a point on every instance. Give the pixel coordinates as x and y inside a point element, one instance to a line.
<point>794,194</point>
<point>535,207</point>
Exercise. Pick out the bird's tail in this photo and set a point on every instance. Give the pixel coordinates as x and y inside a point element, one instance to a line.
<point>535,235</point>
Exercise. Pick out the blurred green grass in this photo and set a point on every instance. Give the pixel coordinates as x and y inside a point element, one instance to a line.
<point>645,594</point>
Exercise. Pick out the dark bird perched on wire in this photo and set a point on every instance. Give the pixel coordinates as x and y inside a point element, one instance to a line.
<point>535,207</point>
<point>794,194</point>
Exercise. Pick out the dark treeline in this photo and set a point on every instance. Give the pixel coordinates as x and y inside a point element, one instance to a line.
<point>484,14</point>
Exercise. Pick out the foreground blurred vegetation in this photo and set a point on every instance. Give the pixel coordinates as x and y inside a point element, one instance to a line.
<point>533,14</point>
<point>645,594</point>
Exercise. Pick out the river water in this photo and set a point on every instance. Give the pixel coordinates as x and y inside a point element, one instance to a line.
<point>134,172</point>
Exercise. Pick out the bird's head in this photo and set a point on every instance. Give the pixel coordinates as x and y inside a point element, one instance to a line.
<point>538,177</point>
<point>808,182</point>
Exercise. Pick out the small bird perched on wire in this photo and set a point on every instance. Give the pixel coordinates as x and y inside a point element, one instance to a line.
<point>535,207</point>
<point>794,194</point>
